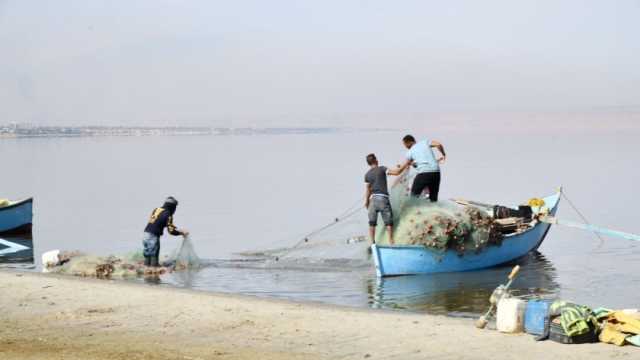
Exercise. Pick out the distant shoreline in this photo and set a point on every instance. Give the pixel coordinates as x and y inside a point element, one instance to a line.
<point>26,131</point>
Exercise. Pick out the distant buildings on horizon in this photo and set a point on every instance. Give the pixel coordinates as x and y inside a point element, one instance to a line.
<point>26,130</point>
<point>21,130</point>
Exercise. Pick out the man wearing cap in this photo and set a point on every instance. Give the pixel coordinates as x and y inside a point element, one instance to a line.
<point>160,218</point>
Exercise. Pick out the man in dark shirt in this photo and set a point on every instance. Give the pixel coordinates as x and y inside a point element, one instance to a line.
<point>377,197</point>
<point>160,218</point>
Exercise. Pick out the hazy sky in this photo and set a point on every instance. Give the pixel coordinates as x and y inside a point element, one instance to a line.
<point>221,62</point>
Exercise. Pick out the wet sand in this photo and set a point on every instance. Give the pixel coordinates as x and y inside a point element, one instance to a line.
<point>55,317</point>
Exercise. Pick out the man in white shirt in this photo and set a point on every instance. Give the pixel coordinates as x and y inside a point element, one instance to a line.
<point>422,157</point>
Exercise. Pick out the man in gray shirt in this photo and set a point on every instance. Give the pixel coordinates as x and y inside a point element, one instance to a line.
<point>377,197</point>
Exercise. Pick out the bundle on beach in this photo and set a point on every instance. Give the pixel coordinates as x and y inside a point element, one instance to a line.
<point>78,264</point>
<point>441,225</point>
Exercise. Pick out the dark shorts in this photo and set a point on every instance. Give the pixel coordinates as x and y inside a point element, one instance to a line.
<point>428,180</point>
<point>380,205</point>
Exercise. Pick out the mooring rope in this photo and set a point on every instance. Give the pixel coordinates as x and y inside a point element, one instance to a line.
<point>581,215</point>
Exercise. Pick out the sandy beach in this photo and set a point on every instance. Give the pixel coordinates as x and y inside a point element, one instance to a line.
<point>54,317</point>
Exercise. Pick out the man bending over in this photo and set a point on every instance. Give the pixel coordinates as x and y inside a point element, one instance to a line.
<point>423,159</point>
<point>160,219</point>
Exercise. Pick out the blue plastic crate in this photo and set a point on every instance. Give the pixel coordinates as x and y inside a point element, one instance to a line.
<point>534,316</point>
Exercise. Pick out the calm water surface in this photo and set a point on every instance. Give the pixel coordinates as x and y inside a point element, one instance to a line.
<point>240,193</point>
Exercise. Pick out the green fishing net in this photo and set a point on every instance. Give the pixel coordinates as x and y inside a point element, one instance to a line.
<point>185,257</point>
<point>441,225</point>
<point>343,243</point>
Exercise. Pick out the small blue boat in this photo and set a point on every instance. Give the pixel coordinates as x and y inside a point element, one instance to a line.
<point>16,217</point>
<point>418,259</point>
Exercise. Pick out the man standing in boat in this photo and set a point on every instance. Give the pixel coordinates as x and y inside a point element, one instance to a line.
<point>161,218</point>
<point>423,159</point>
<point>377,197</point>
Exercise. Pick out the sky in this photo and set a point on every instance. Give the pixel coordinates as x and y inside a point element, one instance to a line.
<point>154,62</point>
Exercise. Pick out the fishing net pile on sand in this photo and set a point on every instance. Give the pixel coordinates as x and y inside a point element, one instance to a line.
<point>79,264</point>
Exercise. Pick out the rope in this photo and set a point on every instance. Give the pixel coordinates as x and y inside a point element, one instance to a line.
<point>352,210</point>
<point>584,218</point>
<point>349,212</point>
<point>355,208</point>
<point>356,204</point>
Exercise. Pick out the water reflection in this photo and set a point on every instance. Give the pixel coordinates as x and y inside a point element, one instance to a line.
<point>152,279</point>
<point>186,279</point>
<point>340,288</point>
<point>463,293</point>
<point>16,251</point>
<point>455,294</point>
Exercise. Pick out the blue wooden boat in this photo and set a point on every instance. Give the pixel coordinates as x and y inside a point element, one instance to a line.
<point>16,218</point>
<point>418,259</point>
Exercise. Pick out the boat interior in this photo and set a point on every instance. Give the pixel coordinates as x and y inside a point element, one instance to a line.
<point>509,220</point>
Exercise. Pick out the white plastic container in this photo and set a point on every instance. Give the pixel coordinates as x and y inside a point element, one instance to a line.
<point>49,259</point>
<point>510,318</point>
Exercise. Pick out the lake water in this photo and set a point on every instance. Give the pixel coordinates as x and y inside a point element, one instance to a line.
<point>247,193</point>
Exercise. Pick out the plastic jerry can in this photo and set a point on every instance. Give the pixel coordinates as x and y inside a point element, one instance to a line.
<point>50,259</point>
<point>510,318</point>
<point>534,315</point>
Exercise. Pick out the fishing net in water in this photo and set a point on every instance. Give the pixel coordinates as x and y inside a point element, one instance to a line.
<point>344,243</point>
<point>185,257</point>
<point>441,225</point>
<point>340,245</point>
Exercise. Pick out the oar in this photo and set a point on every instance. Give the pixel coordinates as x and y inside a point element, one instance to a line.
<point>472,203</point>
<point>589,227</point>
<point>499,293</point>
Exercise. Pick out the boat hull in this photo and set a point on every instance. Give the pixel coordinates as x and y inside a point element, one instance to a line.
<point>412,259</point>
<point>16,218</point>
<point>16,250</point>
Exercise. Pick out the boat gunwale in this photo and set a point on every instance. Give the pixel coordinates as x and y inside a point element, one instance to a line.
<point>17,203</point>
